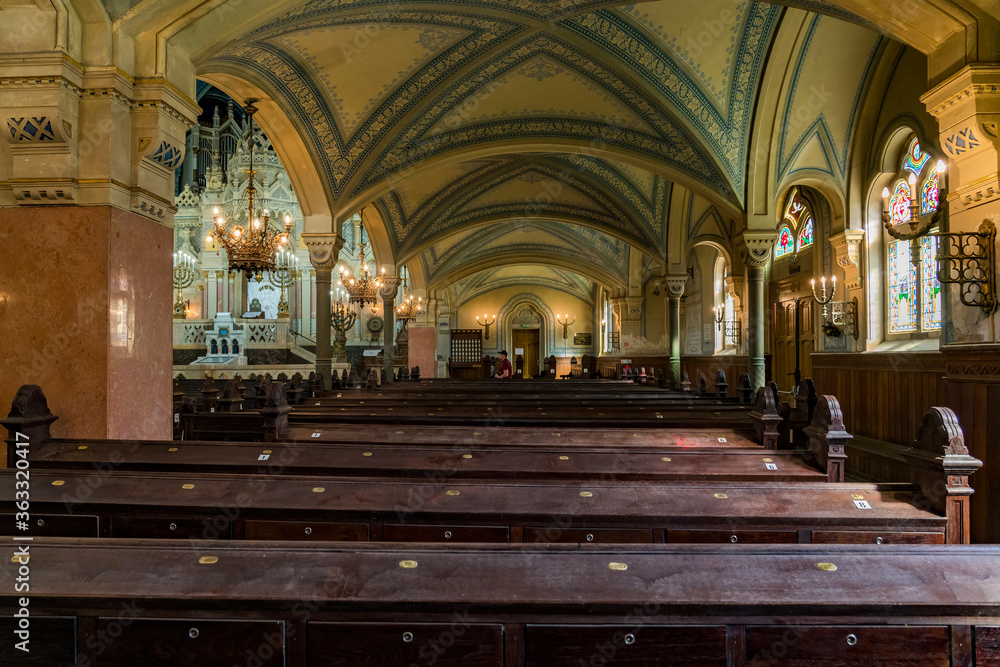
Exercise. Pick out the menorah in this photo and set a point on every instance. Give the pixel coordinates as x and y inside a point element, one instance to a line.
<point>486,323</point>
<point>825,299</point>
<point>283,275</point>
<point>565,325</point>
<point>342,318</point>
<point>184,277</point>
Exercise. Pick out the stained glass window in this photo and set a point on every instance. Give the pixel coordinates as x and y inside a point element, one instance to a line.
<point>930,296</point>
<point>930,193</point>
<point>785,244</point>
<point>903,296</point>
<point>806,237</point>
<point>899,204</point>
<point>915,158</point>
<point>796,209</point>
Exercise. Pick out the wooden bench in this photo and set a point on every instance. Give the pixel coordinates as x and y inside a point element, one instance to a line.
<point>202,506</point>
<point>271,605</point>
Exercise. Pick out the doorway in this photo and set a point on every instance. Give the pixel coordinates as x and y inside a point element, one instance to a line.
<point>527,340</point>
<point>786,308</point>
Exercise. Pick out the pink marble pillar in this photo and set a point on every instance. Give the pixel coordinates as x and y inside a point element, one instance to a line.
<point>423,350</point>
<point>85,308</point>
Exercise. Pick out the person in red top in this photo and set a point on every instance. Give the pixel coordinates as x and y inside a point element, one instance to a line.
<point>504,370</point>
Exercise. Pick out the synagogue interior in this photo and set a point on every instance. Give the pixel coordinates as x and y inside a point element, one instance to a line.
<point>500,333</point>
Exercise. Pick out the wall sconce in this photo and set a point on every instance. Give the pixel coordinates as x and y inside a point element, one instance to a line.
<point>486,323</point>
<point>731,330</point>
<point>964,259</point>
<point>845,313</point>
<point>565,325</point>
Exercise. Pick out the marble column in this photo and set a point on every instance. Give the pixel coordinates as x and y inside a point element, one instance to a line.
<point>98,327</point>
<point>675,290</point>
<point>756,252</point>
<point>390,285</point>
<point>324,250</point>
<point>212,295</point>
<point>305,303</point>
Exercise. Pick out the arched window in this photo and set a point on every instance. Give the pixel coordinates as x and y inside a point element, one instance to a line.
<point>796,231</point>
<point>914,293</point>
<point>785,244</point>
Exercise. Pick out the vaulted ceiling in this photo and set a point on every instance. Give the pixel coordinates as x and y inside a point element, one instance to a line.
<point>497,132</point>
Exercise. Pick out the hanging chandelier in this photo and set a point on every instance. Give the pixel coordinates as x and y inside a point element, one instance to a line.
<point>408,310</point>
<point>251,248</point>
<point>362,290</point>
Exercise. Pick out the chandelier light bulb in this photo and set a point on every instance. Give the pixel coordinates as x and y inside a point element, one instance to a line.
<point>215,211</point>
<point>913,180</point>
<point>885,193</point>
<point>236,233</point>
<point>941,166</point>
<point>256,224</point>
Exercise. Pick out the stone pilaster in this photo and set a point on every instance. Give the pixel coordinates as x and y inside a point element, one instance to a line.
<point>967,108</point>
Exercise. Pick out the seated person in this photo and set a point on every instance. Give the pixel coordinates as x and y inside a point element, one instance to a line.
<point>504,370</point>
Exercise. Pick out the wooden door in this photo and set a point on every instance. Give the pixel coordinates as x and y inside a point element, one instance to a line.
<point>526,339</point>
<point>783,344</point>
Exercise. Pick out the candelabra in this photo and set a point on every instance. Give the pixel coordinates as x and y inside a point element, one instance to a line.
<point>565,325</point>
<point>731,329</point>
<point>966,259</point>
<point>184,276</point>
<point>408,310</point>
<point>486,323</point>
<point>342,319</point>
<point>825,298</point>
<point>283,275</point>
<point>842,313</point>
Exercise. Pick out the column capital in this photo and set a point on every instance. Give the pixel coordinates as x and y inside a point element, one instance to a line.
<point>390,284</point>
<point>755,247</point>
<point>324,249</point>
<point>675,285</point>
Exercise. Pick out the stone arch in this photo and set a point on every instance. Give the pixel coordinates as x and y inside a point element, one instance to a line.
<point>509,311</point>
<point>288,144</point>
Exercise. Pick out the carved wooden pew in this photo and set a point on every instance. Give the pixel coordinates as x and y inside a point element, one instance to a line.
<point>417,461</point>
<point>215,506</point>
<point>344,605</point>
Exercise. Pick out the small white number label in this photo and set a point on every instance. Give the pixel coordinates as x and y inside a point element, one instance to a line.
<point>723,440</point>
<point>211,409</point>
<point>771,466</point>
<point>659,416</point>
<point>177,419</point>
<point>338,396</point>
<point>263,457</point>
<point>317,404</point>
<point>862,504</point>
<point>316,435</point>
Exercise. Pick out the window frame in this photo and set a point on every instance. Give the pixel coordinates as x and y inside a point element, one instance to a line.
<point>927,163</point>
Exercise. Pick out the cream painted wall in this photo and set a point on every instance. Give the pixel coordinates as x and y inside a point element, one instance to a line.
<point>557,302</point>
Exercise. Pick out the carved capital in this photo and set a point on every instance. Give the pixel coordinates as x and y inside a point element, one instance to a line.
<point>847,247</point>
<point>755,247</point>
<point>675,285</point>
<point>390,284</point>
<point>324,249</point>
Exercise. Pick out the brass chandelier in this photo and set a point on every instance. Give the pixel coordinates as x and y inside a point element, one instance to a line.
<point>362,290</point>
<point>408,310</point>
<point>251,248</point>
